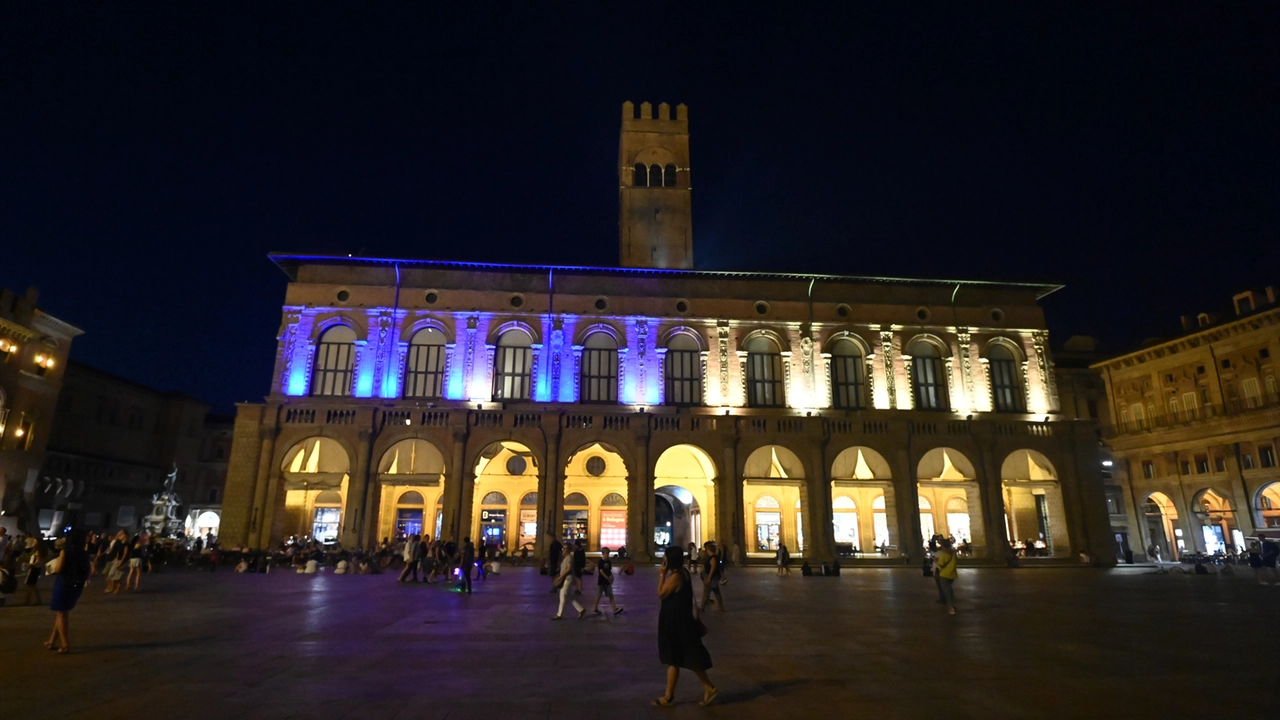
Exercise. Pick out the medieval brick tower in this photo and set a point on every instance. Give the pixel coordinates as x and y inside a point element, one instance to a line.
<point>655,218</point>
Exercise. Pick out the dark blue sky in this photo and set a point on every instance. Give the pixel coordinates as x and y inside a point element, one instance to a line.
<point>151,157</point>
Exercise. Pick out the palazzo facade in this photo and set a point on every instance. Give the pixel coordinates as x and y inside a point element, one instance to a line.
<point>653,404</point>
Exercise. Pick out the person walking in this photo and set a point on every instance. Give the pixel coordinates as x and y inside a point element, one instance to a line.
<point>564,583</point>
<point>554,551</point>
<point>71,575</point>
<point>604,583</point>
<point>411,558</point>
<point>784,560</point>
<point>679,631</point>
<point>137,549</point>
<point>711,573</point>
<point>117,554</point>
<point>579,565</point>
<point>467,565</point>
<point>945,573</point>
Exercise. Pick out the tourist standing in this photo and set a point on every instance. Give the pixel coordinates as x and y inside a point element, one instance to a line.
<point>554,550</point>
<point>604,583</point>
<point>72,572</point>
<point>679,631</point>
<point>410,556</point>
<point>784,559</point>
<point>945,573</point>
<point>137,549</point>
<point>4,544</point>
<point>35,559</point>
<point>563,581</point>
<point>711,575</point>
<point>117,553</point>
<point>467,564</point>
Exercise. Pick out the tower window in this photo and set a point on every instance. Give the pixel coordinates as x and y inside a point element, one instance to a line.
<point>512,365</point>
<point>424,372</point>
<point>764,374</point>
<point>599,381</point>
<point>684,371</point>
<point>927,378</point>
<point>641,178</point>
<point>335,358</point>
<point>669,176</point>
<point>655,175</point>
<point>847,375</point>
<point>1004,380</point>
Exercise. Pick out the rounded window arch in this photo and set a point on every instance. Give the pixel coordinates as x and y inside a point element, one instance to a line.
<point>669,176</point>
<point>848,375</point>
<point>768,502</point>
<point>641,176</point>
<point>424,367</point>
<point>334,361</point>
<point>412,497</point>
<point>575,499</point>
<point>613,500</point>
<point>683,370</point>
<point>843,502</point>
<point>530,499</point>
<point>494,498</point>
<point>655,175</point>
<point>598,382</point>
<point>928,381</point>
<point>513,365</point>
<point>1003,376</point>
<point>331,498</point>
<point>764,372</point>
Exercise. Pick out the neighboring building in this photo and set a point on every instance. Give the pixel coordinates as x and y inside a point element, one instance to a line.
<point>1195,423</point>
<point>33,355</point>
<point>113,443</point>
<point>204,504</point>
<point>649,404</point>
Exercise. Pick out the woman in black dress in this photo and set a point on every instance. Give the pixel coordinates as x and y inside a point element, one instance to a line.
<point>679,635</point>
<point>72,573</point>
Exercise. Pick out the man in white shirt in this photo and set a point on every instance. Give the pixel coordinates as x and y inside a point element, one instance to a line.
<point>565,582</point>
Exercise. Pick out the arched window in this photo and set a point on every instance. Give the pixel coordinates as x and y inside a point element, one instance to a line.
<point>768,502</point>
<point>764,373</point>
<point>335,358</point>
<point>575,499</point>
<point>1005,391</point>
<point>494,498</point>
<point>530,499</point>
<point>684,371</point>
<point>848,386</point>
<point>926,376</point>
<point>655,175</point>
<point>613,500</point>
<point>669,176</point>
<point>599,380</point>
<point>424,371</point>
<point>641,178</point>
<point>412,497</point>
<point>512,365</point>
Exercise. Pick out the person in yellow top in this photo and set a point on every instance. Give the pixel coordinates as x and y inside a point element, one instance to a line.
<point>944,571</point>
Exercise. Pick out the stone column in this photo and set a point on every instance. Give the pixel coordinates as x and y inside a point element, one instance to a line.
<point>991,487</point>
<point>258,532</point>
<point>458,475</point>
<point>729,511</point>
<point>353,515</point>
<point>906,498</point>
<point>640,499</point>
<point>820,516</point>
<point>550,489</point>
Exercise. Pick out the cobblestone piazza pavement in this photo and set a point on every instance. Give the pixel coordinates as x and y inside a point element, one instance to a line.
<point>1033,643</point>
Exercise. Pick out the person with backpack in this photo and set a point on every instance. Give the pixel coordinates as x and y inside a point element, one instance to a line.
<point>70,577</point>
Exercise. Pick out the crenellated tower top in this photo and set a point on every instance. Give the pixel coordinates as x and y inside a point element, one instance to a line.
<point>655,217</point>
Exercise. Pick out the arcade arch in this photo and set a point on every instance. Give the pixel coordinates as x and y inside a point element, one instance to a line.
<point>316,473</point>
<point>943,476</point>
<point>1160,517</point>
<point>860,478</point>
<point>1216,518</point>
<point>1034,515</point>
<point>773,481</point>
<point>684,503</point>
<point>411,480</point>
<point>1267,506</point>
<point>594,473</point>
<point>506,473</point>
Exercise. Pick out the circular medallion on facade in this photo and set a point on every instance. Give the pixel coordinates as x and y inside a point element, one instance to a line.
<point>922,314</point>
<point>595,465</point>
<point>517,301</point>
<point>762,308</point>
<point>516,465</point>
<point>432,298</point>
<point>343,295</point>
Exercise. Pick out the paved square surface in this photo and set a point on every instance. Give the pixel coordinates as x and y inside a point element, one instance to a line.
<point>870,644</point>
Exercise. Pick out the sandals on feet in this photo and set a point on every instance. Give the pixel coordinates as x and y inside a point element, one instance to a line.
<point>664,701</point>
<point>709,698</point>
<point>49,646</point>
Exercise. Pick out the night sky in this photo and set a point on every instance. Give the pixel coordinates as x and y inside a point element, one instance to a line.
<point>151,157</point>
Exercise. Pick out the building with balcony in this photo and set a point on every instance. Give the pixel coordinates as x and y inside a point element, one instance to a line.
<point>34,347</point>
<point>1194,425</point>
<point>654,403</point>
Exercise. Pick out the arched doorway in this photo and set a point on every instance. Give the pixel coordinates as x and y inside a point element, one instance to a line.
<point>861,476</point>
<point>1217,521</point>
<point>505,471</point>
<point>204,523</point>
<point>316,474</point>
<point>773,483</point>
<point>1165,537</point>
<point>1034,513</point>
<point>945,476</point>
<point>684,504</point>
<point>1267,506</point>
<point>592,474</point>
<point>411,478</point>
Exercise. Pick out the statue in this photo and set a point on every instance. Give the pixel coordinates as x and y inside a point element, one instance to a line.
<point>163,519</point>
